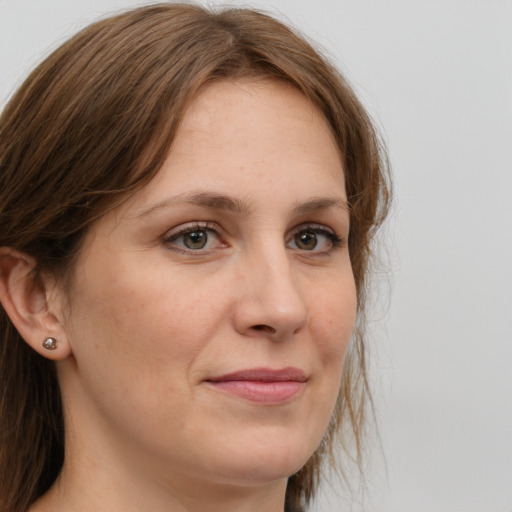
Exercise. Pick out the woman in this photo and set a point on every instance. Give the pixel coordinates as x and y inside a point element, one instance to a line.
<point>187,203</point>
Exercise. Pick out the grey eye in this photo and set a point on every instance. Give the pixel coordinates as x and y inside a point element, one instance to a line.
<point>195,239</point>
<point>315,239</point>
<point>305,240</point>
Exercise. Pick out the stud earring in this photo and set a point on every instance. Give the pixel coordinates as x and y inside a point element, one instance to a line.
<point>50,343</point>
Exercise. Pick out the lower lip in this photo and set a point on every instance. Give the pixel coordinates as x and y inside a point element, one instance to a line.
<point>274,392</point>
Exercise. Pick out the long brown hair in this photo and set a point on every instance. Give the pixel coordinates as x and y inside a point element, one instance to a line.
<point>93,124</point>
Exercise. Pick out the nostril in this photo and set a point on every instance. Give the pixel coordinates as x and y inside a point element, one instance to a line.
<point>264,328</point>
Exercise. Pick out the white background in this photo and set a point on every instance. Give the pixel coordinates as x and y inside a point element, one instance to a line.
<point>437,76</point>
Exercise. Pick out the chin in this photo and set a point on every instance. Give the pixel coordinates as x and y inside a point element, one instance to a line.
<point>259,474</point>
<point>259,464</point>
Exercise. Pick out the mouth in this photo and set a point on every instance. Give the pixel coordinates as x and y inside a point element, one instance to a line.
<point>262,385</point>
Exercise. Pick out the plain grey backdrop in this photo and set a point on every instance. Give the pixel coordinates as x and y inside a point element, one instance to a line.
<point>437,77</point>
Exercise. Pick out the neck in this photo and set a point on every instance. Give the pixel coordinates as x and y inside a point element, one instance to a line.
<point>102,490</point>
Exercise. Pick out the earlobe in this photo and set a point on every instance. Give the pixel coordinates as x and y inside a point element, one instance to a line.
<point>26,300</point>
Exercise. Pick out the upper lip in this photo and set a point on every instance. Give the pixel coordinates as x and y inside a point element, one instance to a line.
<point>263,375</point>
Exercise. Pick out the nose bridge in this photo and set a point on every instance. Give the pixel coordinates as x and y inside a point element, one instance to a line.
<point>273,300</point>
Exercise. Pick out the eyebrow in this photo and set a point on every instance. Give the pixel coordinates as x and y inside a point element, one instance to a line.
<point>210,200</point>
<point>321,203</point>
<point>215,201</point>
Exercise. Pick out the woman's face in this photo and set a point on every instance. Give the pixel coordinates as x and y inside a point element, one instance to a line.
<point>211,312</point>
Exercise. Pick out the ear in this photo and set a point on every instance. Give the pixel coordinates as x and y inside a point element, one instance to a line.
<point>34,304</point>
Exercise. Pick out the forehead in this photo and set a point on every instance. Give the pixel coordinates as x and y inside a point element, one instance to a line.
<point>249,113</point>
<point>245,127</point>
<point>251,140</point>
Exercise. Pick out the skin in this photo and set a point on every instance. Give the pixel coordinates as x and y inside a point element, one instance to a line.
<point>148,321</point>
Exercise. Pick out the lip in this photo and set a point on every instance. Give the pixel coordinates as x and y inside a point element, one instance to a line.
<point>262,385</point>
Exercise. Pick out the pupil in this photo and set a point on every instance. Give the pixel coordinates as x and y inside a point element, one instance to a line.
<point>195,240</point>
<point>306,240</point>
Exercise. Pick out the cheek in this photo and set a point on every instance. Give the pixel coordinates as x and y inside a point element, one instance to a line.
<point>135,338</point>
<point>139,319</point>
<point>333,319</point>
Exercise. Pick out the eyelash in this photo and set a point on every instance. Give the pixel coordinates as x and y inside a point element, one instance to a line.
<point>336,241</point>
<point>211,227</point>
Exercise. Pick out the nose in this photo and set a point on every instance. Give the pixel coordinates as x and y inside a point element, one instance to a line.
<point>270,301</point>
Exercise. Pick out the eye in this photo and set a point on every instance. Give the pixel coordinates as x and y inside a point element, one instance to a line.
<point>315,239</point>
<point>306,240</point>
<point>194,238</point>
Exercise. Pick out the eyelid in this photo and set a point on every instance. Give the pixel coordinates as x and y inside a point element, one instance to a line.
<point>336,240</point>
<point>174,234</point>
<point>312,226</point>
